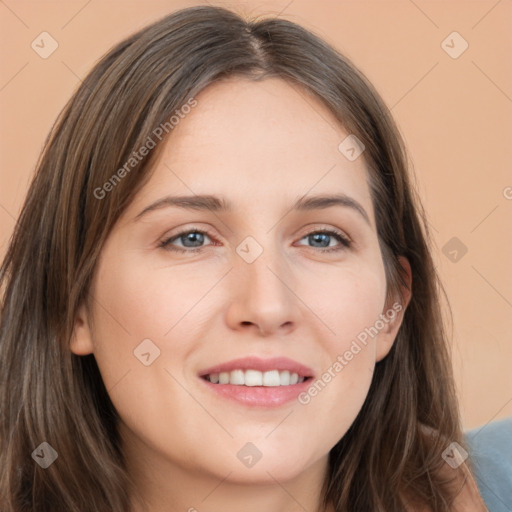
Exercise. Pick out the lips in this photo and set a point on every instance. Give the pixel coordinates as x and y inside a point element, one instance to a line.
<point>265,393</point>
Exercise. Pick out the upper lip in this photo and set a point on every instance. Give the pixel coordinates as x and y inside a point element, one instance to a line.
<point>262,365</point>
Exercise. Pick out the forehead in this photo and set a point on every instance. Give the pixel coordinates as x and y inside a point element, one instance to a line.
<point>266,140</point>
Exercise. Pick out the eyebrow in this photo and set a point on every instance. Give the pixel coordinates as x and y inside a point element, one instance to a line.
<point>219,204</point>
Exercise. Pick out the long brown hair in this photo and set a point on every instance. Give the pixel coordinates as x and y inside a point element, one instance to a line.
<point>49,394</point>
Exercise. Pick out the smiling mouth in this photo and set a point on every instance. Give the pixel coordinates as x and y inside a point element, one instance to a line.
<point>271,378</point>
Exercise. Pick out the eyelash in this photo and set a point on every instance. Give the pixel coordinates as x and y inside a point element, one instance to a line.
<point>166,244</point>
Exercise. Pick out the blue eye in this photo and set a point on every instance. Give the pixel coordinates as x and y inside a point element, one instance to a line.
<point>193,237</point>
<point>324,237</point>
<point>192,240</point>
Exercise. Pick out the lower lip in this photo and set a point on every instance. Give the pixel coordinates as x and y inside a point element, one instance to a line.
<point>259,396</point>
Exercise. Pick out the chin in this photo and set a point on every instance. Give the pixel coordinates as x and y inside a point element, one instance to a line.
<point>267,472</point>
<point>267,462</point>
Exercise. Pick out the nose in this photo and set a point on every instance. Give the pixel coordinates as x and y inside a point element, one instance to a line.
<point>262,297</point>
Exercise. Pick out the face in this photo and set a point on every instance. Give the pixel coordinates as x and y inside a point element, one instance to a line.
<point>259,275</point>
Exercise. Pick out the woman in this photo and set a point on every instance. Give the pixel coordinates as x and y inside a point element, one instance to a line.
<point>282,361</point>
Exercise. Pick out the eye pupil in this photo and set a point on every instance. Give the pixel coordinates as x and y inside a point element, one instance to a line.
<point>193,237</point>
<point>321,238</point>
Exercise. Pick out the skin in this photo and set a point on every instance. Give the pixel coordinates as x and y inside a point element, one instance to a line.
<point>260,145</point>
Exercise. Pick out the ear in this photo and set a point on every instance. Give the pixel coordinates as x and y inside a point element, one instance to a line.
<point>81,338</point>
<point>393,313</point>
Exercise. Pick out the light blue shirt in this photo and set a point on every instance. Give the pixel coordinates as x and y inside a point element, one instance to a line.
<point>490,448</point>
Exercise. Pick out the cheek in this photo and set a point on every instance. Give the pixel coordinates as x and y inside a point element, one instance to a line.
<point>349,304</point>
<point>137,302</point>
<point>138,316</point>
<point>347,301</point>
<point>131,307</point>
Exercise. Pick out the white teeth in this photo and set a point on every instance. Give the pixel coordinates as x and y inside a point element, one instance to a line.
<point>284,377</point>
<point>271,378</point>
<point>253,378</point>
<point>237,377</point>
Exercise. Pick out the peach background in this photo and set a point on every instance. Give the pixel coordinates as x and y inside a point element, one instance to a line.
<point>455,114</point>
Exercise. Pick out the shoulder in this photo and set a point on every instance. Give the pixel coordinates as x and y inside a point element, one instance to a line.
<point>456,471</point>
<point>490,453</point>
<point>469,497</point>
